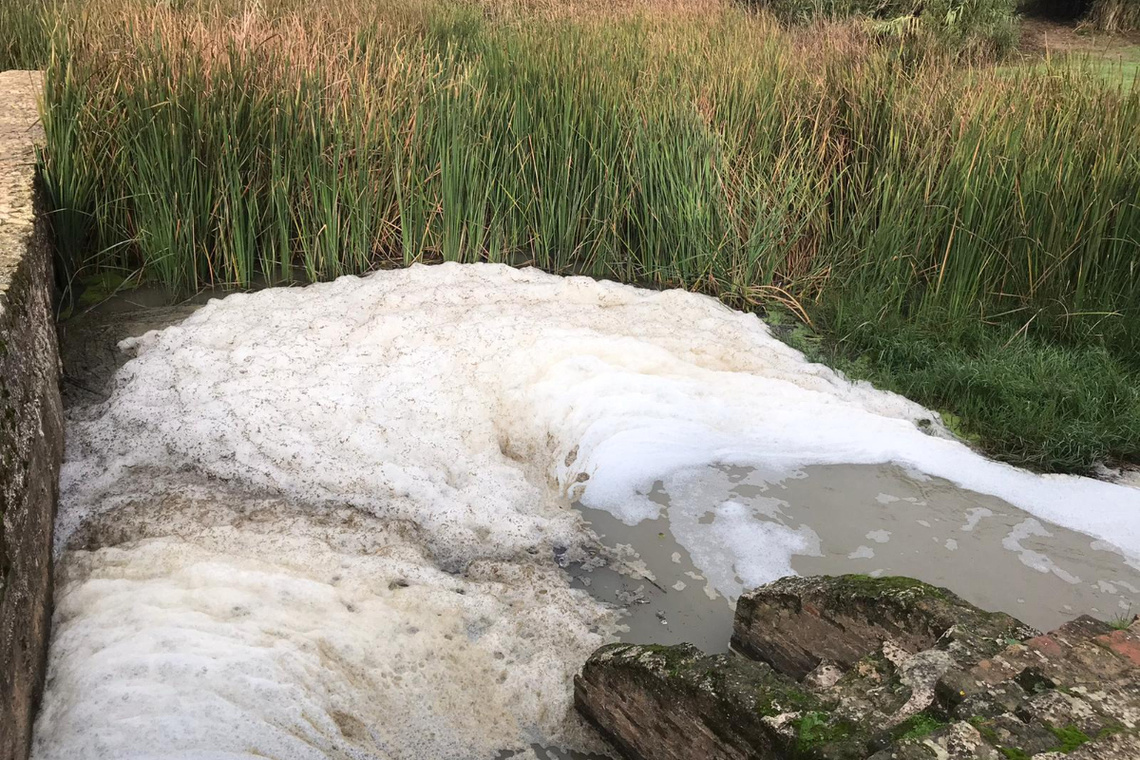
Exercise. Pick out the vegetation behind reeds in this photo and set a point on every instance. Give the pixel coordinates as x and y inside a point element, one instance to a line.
<point>967,28</point>
<point>870,187</point>
<point>1115,15</point>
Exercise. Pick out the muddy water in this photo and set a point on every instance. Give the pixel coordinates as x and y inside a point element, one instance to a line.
<point>878,520</point>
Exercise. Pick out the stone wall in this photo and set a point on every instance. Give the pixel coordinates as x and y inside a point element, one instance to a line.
<point>31,418</point>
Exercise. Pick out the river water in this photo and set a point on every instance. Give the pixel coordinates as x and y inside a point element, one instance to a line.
<point>390,517</point>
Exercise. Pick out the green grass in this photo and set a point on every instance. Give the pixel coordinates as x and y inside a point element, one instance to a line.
<point>1021,399</point>
<point>959,233</point>
<point>1069,738</point>
<point>1118,66</point>
<point>1013,753</point>
<point>1124,621</point>
<point>916,727</point>
<point>1124,69</point>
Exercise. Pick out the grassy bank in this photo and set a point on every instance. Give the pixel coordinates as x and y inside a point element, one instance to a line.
<point>1028,400</point>
<point>964,234</point>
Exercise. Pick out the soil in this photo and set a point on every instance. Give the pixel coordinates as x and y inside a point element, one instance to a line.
<point>1044,38</point>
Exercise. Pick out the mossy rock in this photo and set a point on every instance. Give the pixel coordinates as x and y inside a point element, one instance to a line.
<point>795,623</point>
<point>651,700</point>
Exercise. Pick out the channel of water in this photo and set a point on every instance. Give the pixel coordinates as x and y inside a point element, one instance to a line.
<point>390,517</point>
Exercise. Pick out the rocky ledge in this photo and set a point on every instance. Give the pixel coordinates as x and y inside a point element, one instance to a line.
<point>856,668</point>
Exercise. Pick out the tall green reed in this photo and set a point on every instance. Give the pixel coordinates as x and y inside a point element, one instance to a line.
<point>25,33</point>
<point>713,151</point>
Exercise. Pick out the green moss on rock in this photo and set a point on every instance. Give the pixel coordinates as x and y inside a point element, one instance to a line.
<point>916,727</point>
<point>1013,753</point>
<point>824,735</point>
<point>1069,737</point>
<point>737,699</point>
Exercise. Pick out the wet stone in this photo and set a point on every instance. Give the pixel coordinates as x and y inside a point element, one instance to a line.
<point>795,623</point>
<point>885,669</point>
<point>667,702</point>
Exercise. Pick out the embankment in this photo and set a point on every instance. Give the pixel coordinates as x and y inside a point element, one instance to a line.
<point>31,418</point>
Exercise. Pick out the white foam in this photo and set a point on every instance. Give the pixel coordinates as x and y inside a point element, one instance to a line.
<point>453,394</point>
<point>473,401</point>
<point>974,515</point>
<point>274,635</point>
<point>1040,562</point>
<point>435,390</point>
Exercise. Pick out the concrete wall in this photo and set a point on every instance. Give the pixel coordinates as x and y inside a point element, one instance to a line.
<point>31,418</point>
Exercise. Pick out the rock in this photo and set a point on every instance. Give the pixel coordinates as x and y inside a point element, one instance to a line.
<point>1061,708</point>
<point>919,673</point>
<point>825,675</point>
<point>795,623</point>
<point>1007,731</point>
<point>675,703</point>
<point>959,741</point>
<point>1115,747</point>
<point>872,690</point>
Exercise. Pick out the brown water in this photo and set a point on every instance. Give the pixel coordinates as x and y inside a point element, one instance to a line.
<point>878,520</point>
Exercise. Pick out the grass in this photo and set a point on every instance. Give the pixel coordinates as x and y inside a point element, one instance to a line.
<point>1024,400</point>
<point>1069,738</point>
<point>916,727</point>
<point>1125,69</point>
<point>952,230</point>
<point>1124,621</point>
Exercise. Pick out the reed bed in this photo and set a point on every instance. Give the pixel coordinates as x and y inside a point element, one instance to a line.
<point>853,180</point>
<point>1114,15</point>
<point>25,33</point>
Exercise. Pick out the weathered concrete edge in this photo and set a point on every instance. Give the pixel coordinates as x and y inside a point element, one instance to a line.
<point>31,417</point>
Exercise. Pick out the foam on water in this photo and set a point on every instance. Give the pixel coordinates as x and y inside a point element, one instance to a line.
<point>471,401</point>
<point>449,394</point>
<point>223,625</point>
<point>454,395</point>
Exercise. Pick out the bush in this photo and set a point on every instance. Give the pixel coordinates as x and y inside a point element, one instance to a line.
<point>1104,15</point>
